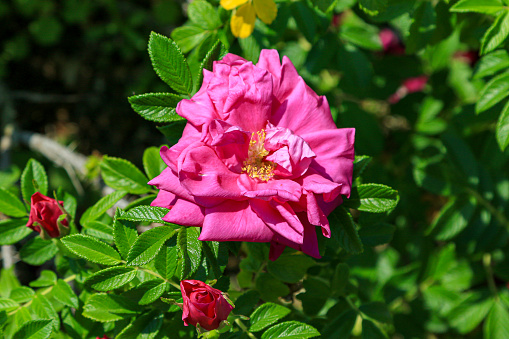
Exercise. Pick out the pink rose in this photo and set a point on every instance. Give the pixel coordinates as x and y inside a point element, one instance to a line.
<point>44,213</point>
<point>410,85</point>
<point>390,42</point>
<point>260,158</point>
<point>203,305</point>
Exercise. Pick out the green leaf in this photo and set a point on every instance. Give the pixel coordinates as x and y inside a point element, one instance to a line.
<point>167,259</point>
<point>34,329</point>
<point>37,251</point>
<point>144,327</point>
<point>344,231</point>
<point>157,107</point>
<point>64,293</point>
<point>8,304</point>
<point>374,198</point>
<point>495,91</point>
<point>496,34</point>
<point>479,6</point>
<point>377,310</point>
<point>291,330</point>
<point>270,288</point>
<point>342,326</point>
<point>212,258</point>
<point>43,309</point>
<point>188,37</point>
<point>91,249</point>
<point>362,36</point>
<point>99,230</point>
<point>452,219</point>
<point>371,331</point>
<point>124,233</point>
<point>189,251</point>
<point>290,267</point>
<point>373,7</point>
<point>359,165</point>
<point>376,234</point>
<point>266,315</point>
<point>491,64</point>
<point>100,207</point>
<point>33,171</point>
<point>109,307</point>
<point>10,205</point>
<point>502,131</point>
<point>146,214</point>
<point>149,291</point>
<point>13,230</point>
<point>152,162</point>
<point>121,174</point>
<point>47,278</point>
<point>111,278</point>
<point>169,63</point>
<point>203,14</point>
<point>422,29</point>
<point>305,20</point>
<point>496,325</point>
<point>340,279</point>
<point>148,244</point>
<point>467,315</point>
<point>212,55</point>
<point>22,294</point>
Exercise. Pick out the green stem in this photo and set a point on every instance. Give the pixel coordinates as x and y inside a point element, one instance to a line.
<point>155,274</point>
<point>501,218</point>
<point>244,328</point>
<point>486,260</point>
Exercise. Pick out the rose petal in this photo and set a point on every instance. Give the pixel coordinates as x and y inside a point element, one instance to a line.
<point>185,213</point>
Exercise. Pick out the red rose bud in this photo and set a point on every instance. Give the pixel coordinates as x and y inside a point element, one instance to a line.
<point>47,217</point>
<point>203,305</point>
<point>469,57</point>
<point>103,337</point>
<point>416,84</point>
<point>390,42</point>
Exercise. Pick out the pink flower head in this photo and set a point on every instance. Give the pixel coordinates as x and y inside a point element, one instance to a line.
<point>260,158</point>
<point>44,214</point>
<point>390,42</point>
<point>410,85</point>
<point>203,305</point>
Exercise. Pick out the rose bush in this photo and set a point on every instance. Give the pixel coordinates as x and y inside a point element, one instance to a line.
<point>260,159</point>
<point>44,215</point>
<point>203,305</point>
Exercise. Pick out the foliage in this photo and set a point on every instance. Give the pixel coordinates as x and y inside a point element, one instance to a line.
<point>419,249</point>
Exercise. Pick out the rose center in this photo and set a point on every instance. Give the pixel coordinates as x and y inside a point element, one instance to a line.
<point>255,165</point>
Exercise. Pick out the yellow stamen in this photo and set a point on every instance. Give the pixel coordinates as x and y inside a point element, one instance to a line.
<point>255,166</point>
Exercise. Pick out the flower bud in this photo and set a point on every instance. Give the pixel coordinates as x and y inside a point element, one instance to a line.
<point>47,217</point>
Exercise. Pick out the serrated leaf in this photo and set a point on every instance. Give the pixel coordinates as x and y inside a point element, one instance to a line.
<point>124,233</point>
<point>47,278</point>
<point>144,327</point>
<point>344,231</point>
<point>452,219</point>
<point>148,245</point>
<point>497,323</point>
<point>43,309</point>
<point>149,291</point>
<point>204,15</point>
<point>33,171</point>
<point>153,164</point>
<point>37,251</point>
<point>10,205</point>
<point>495,91</point>
<point>371,331</point>
<point>101,206</point>
<point>467,315</point>
<point>478,6</point>
<point>13,230</point>
<point>340,279</point>
<point>290,267</point>
<point>373,7</point>
<point>167,259</point>
<point>491,64</point>
<point>374,198</point>
<point>34,329</point>
<point>64,293</point>
<point>266,315</point>
<point>169,63</point>
<point>270,288</point>
<point>99,230</point>
<point>213,54</point>
<point>70,204</point>
<point>109,307</point>
<point>291,330</point>
<point>91,249</point>
<point>502,131</point>
<point>189,251</point>
<point>7,304</point>
<point>211,259</point>
<point>146,214</point>
<point>188,37</point>
<point>111,278</point>
<point>359,165</point>
<point>22,294</point>
<point>377,310</point>
<point>157,107</point>
<point>121,174</point>
<point>496,34</point>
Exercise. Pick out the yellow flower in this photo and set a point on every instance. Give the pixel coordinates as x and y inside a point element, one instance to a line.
<point>243,19</point>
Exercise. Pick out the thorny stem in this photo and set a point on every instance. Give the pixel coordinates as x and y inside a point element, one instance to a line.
<point>244,328</point>
<point>486,260</point>
<point>46,291</point>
